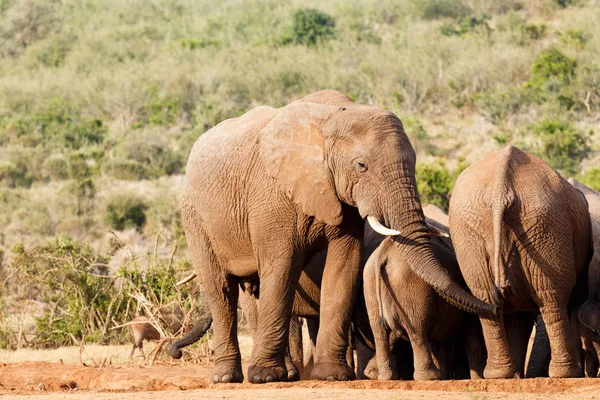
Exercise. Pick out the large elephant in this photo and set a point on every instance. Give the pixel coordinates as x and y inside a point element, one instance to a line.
<point>264,191</point>
<point>401,306</point>
<point>522,239</point>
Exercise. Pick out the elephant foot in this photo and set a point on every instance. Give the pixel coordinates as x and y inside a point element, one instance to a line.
<point>260,374</point>
<point>371,371</point>
<point>332,372</point>
<point>428,375</point>
<point>564,370</point>
<point>293,373</point>
<point>226,373</point>
<point>499,372</point>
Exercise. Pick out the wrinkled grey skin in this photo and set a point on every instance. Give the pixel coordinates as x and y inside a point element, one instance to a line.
<point>585,320</point>
<point>265,191</point>
<point>522,237</point>
<point>401,306</point>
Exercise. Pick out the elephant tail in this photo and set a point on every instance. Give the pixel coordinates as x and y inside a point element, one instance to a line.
<point>503,199</point>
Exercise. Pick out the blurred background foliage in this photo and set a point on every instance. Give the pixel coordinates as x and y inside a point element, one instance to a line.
<point>101,102</point>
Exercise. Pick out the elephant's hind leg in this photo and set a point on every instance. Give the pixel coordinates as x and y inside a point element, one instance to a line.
<point>222,294</point>
<point>563,362</point>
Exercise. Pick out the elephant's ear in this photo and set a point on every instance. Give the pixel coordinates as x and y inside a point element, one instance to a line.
<point>589,315</point>
<point>292,148</point>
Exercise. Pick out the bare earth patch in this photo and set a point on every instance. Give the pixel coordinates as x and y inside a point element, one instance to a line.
<point>178,382</point>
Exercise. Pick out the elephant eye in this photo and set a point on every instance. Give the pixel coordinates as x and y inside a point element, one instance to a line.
<point>361,165</point>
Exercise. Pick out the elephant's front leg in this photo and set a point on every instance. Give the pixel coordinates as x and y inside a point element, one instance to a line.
<point>338,290</point>
<point>278,278</point>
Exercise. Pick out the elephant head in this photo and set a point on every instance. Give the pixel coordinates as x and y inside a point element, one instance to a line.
<point>327,153</point>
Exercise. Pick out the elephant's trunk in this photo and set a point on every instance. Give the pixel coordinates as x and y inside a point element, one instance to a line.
<point>406,216</point>
<point>192,336</point>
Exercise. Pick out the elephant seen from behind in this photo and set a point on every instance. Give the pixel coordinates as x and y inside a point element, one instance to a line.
<point>523,242</point>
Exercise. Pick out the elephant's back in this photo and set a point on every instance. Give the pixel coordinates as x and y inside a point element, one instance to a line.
<point>228,140</point>
<point>511,173</point>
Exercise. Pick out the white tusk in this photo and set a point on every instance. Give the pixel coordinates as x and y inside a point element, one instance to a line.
<point>186,279</point>
<point>380,228</point>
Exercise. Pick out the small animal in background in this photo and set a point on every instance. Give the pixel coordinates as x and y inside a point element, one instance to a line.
<point>143,329</point>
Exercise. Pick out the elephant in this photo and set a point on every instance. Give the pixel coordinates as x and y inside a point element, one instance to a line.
<point>585,320</point>
<point>523,242</point>
<point>306,305</point>
<point>401,306</point>
<point>265,191</point>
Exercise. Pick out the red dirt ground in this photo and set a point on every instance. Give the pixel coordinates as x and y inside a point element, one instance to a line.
<point>170,381</point>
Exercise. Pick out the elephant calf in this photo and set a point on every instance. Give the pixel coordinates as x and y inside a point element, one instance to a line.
<point>522,239</point>
<point>401,306</point>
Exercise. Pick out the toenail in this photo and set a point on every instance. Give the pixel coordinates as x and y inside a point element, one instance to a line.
<point>226,378</point>
<point>270,378</point>
<point>331,378</point>
<point>256,379</point>
<point>345,377</point>
<point>215,378</point>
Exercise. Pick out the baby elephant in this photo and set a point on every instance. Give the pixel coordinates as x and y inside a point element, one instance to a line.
<point>143,329</point>
<point>401,306</point>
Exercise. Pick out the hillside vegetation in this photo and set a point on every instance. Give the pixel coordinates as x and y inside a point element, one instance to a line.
<point>101,101</point>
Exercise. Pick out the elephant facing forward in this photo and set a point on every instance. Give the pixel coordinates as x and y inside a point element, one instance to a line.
<point>522,240</point>
<point>265,191</point>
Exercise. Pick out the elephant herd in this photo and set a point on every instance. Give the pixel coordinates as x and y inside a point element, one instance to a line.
<point>274,205</point>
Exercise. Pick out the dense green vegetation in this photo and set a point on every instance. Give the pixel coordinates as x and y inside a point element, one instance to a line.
<point>100,102</point>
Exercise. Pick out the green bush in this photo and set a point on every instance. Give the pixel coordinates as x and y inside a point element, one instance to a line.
<point>54,54</point>
<point>533,31</point>
<point>27,22</point>
<point>12,176</point>
<point>154,155</point>
<point>435,183</point>
<point>562,145</point>
<point>59,125</point>
<point>311,27</point>
<point>125,210</point>
<point>83,299</point>
<point>193,44</point>
<point>436,9</point>
<point>552,67</point>
<point>56,167</point>
<point>464,25</point>
<point>124,169</point>
<point>575,37</point>
<point>591,178</point>
<point>501,102</point>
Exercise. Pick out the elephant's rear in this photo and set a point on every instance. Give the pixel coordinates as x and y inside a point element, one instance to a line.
<point>528,220</point>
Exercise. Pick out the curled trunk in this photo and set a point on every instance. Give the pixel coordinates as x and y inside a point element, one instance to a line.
<point>407,217</point>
